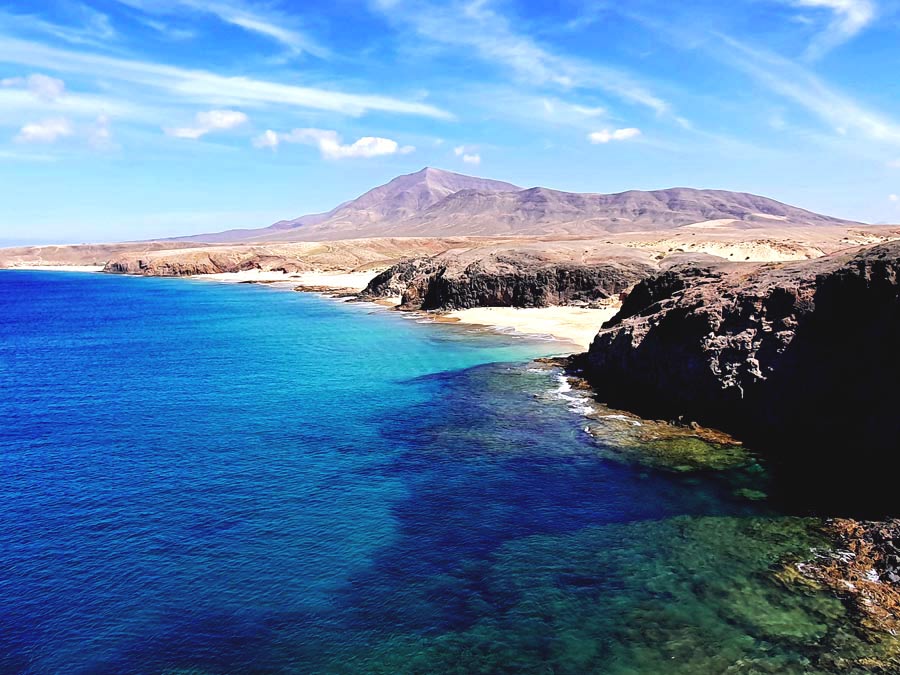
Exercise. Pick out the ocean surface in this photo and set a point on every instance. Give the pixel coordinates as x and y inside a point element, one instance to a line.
<point>205,478</point>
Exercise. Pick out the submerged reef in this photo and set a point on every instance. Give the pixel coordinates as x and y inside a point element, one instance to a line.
<point>685,595</point>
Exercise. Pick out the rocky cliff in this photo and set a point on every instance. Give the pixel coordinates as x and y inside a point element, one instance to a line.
<point>800,359</point>
<point>508,277</point>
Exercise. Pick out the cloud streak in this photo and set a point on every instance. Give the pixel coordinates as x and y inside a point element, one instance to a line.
<point>489,35</point>
<point>93,28</point>
<point>844,115</point>
<point>849,18</point>
<point>204,86</point>
<point>261,21</point>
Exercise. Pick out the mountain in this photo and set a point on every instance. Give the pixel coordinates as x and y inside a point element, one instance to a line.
<point>432,202</point>
<point>378,209</point>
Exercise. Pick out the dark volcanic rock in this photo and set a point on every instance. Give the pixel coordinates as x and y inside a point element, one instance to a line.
<point>801,359</point>
<point>508,279</point>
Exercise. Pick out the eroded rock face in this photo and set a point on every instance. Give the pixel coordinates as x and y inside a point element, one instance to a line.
<point>505,280</point>
<point>802,359</point>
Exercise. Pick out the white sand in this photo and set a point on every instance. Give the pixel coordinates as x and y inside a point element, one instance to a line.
<point>351,280</point>
<point>59,268</point>
<point>338,280</point>
<point>571,324</point>
<point>753,250</point>
<point>247,275</point>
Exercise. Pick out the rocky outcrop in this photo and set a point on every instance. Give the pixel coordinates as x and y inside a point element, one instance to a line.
<point>351,255</point>
<point>864,569</point>
<point>506,278</point>
<point>801,359</point>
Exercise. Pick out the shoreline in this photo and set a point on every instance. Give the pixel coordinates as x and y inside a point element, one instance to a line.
<point>57,268</point>
<point>655,444</point>
<point>575,327</point>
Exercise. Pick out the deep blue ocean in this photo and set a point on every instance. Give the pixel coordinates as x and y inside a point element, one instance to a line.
<point>207,478</point>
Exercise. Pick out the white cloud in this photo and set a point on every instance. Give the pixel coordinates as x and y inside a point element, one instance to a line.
<point>468,154</point>
<point>46,87</point>
<point>266,22</point>
<point>40,86</point>
<point>204,86</point>
<point>46,131</point>
<point>848,18</point>
<point>489,35</point>
<point>894,198</point>
<point>267,139</point>
<point>330,143</point>
<point>607,135</point>
<point>206,122</point>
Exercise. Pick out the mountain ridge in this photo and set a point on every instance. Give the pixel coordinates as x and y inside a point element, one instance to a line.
<point>435,202</point>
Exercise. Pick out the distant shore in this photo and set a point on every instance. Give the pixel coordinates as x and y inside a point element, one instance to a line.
<point>58,268</point>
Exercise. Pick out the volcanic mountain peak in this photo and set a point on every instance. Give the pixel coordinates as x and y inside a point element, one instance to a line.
<point>434,202</point>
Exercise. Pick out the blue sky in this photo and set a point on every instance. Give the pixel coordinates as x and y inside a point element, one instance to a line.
<point>125,119</point>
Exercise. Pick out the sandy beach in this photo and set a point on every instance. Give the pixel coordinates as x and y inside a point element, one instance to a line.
<point>570,324</point>
<point>355,281</point>
<point>575,325</point>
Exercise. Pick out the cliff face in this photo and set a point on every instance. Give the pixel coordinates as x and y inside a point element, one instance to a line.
<point>509,279</point>
<point>800,359</point>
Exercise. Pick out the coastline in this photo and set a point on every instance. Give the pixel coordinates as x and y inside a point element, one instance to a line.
<point>574,326</point>
<point>57,268</point>
<point>637,441</point>
<point>325,280</point>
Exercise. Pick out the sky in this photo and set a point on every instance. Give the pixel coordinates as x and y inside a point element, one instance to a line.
<point>135,119</point>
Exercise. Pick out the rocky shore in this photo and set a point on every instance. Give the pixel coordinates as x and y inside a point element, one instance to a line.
<point>512,277</point>
<point>798,359</point>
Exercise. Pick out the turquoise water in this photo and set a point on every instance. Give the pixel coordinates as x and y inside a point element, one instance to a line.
<point>237,479</point>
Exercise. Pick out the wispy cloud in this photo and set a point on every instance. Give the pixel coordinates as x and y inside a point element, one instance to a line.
<point>839,111</point>
<point>204,86</point>
<point>259,20</point>
<point>848,18</point>
<point>101,137</point>
<point>43,87</point>
<point>330,144</point>
<point>168,31</point>
<point>207,122</point>
<point>89,27</point>
<point>607,135</point>
<point>45,131</point>
<point>486,33</point>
